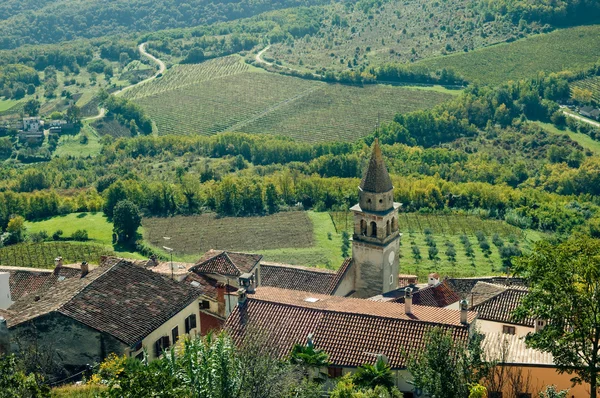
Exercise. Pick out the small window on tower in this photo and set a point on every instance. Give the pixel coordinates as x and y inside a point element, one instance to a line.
<point>391,279</point>
<point>380,200</point>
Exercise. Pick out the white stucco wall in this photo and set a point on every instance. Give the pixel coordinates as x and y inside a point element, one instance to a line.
<point>486,327</point>
<point>166,328</point>
<point>5,300</point>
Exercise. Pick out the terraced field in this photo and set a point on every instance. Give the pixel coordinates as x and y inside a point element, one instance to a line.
<point>227,95</point>
<point>340,112</point>
<point>187,75</point>
<point>572,48</point>
<point>592,84</point>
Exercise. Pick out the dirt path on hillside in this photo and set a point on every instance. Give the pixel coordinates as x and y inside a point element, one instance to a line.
<point>161,69</point>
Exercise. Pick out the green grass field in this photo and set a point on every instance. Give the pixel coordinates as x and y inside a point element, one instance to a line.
<point>71,145</point>
<point>582,139</point>
<point>99,230</point>
<point>223,95</point>
<point>7,104</point>
<point>571,48</point>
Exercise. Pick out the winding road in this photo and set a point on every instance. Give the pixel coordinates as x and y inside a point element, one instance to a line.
<point>161,69</point>
<point>581,118</point>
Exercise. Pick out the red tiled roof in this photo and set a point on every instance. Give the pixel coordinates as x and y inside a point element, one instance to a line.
<point>500,307</point>
<point>316,280</point>
<point>440,295</point>
<point>307,279</point>
<point>226,263</point>
<point>207,285</point>
<point>351,331</point>
<point>123,300</point>
<point>23,281</point>
<point>359,306</point>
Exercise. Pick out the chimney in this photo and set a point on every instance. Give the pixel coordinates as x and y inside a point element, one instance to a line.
<point>5,298</point>
<point>408,300</point>
<point>247,282</point>
<point>4,337</point>
<point>242,296</point>
<point>85,268</point>
<point>58,263</point>
<point>221,293</point>
<point>539,325</point>
<point>433,279</point>
<point>464,309</point>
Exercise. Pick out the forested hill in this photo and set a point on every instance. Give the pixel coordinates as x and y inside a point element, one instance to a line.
<point>53,21</point>
<point>62,20</point>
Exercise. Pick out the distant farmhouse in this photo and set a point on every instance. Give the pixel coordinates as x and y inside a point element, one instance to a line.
<point>363,311</point>
<point>590,111</point>
<point>33,129</point>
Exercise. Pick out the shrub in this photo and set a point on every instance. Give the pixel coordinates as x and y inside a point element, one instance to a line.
<point>80,235</point>
<point>57,234</point>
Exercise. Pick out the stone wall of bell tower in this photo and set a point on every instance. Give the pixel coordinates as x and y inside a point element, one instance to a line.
<point>375,241</point>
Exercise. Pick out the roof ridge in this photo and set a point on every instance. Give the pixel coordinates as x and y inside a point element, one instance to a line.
<point>367,315</point>
<point>230,261</point>
<point>90,281</point>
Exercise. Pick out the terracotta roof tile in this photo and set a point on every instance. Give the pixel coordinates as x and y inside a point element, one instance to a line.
<point>359,306</point>
<point>440,295</point>
<point>23,281</point>
<point>501,307</point>
<point>464,286</point>
<point>351,331</point>
<point>376,178</point>
<point>123,300</point>
<point>307,279</point>
<point>226,263</point>
<point>511,349</point>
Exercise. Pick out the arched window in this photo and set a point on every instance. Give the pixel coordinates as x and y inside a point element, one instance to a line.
<point>363,227</point>
<point>373,228</point>
<point>394,224</point>
<point>387,227</point>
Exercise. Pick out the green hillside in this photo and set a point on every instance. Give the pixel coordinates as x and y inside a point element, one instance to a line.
<point>572,48</point>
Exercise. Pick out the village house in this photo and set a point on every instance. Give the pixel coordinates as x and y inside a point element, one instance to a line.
<point>352,331</point>
<point>116,308</point>
<point>32,130</point>
<point>590,111</point>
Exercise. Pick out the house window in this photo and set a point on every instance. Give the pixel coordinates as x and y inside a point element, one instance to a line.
<point>391,279</point>
<point>205,305</point>
<point>140,356</point>
<point>508,329</point>
<point>190,323</point>
<point>174,334</point>
<point>495,394</point>
<point>160,345</point>
<point>334,372</point>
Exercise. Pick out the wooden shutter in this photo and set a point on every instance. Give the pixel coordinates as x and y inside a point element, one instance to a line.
<point>174,334</point>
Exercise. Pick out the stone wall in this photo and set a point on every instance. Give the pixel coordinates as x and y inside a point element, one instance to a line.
<point>63,345</point>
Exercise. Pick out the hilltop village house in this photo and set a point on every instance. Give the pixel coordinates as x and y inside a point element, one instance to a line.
<point>361,312</point>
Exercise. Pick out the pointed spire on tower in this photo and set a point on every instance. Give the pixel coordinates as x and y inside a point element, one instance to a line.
<point>376,178</point>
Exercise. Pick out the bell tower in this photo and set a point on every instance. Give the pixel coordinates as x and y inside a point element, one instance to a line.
<point>375,241</point>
